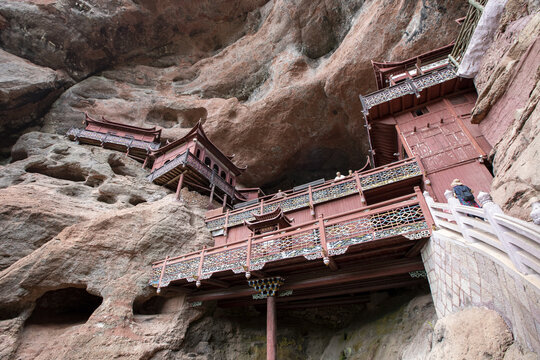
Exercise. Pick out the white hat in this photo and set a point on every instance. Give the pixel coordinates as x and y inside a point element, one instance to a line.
<point>456,182</point>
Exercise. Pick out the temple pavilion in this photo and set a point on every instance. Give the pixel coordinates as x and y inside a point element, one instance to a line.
<point>136,142</point>
<point>194,161</point>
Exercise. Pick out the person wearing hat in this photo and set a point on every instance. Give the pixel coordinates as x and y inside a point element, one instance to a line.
<point>463,193</point>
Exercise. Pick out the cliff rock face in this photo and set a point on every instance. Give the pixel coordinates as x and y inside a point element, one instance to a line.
<point>275,82</point>
<point>507,108</point>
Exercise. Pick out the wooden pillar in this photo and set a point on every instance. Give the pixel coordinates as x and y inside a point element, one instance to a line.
<point>271,328</point>
<point>179,187</point>
<point>225,201</point>
<point>211,195</point>
<point>145,162</point>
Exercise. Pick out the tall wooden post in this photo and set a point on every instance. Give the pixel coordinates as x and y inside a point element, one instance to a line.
<point>224,201</point>
<point>271,328</point>
<point>179,187</point>
<point>211,195</point>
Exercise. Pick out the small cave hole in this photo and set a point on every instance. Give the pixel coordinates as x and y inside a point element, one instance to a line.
<point>95,180</point>
<point>8,312</point>
<point>64,306</point>
<point>136,200</point>
<point>71,172</point>
<point>107,198</point>
<point>118,167</point>
<point>149,306</point>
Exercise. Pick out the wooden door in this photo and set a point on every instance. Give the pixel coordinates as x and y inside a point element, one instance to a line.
<point>439,144</point>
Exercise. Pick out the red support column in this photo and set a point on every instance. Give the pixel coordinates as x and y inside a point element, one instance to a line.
<point>179,187</point>
<point>271,328</point>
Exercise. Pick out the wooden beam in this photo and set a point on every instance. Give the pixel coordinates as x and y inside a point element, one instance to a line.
<point>179,186</point>
<point>215,282</point>
<point>415,250</point>
<point>313,280</point>
<point>336,291</point>
<point>332,264</point>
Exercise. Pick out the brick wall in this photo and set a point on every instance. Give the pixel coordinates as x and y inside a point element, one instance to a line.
<point>463,275</point>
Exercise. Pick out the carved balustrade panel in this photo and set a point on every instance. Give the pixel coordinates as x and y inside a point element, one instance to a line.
<point>334,192</point>
<point>288,204</point>
<point>344,234</point>
<point>306,243</point>
<point>184,269</point>
<point>434,78</point>
<point>210,175</point>
<point>407,220</point>
<point>226,259</point>
<point>408,87</point>
<point>388,94</point>
<point>180,160</point>
<point>405,171</point>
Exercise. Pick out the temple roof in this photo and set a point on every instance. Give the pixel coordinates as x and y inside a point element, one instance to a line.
<point>383,70</point>
<point>197,132</point>
<point>272,218</point>
<point>112,124</point>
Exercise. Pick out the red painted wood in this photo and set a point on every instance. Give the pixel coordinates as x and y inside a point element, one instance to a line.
<point>472,174</point>
<point>271,328</point>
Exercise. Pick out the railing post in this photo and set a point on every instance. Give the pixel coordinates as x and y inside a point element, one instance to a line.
<point>322,235</point>
<point>199,271</point>
<point>248,256</point>
<point>226,225</point>
<point>490,209</point>
<point>162,273</point>
<point>311,206</point>
<point>359,186</point>
<point>430,202</point>
<point>452,203</point>
<point>425,208</point>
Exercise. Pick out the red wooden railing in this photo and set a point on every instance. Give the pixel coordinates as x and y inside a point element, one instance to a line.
<point>320,238</point>
<point>355,184</point>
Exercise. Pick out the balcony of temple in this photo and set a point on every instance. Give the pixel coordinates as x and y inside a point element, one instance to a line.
<point>304,203</point>
<point>350,252</point>
<point>422,109</point>
<point>135,141</point>
<point>194,161</point>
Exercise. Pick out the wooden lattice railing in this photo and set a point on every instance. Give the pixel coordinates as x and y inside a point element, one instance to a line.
<point>129,142</point>
<point>474,13</point>
<point>409,86</point>
<point>320,238</point>
<point>509,238</point>
<point>188,159</point>
<point>358,182</point>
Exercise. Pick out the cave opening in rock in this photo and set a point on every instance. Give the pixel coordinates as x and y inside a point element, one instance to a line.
<point>71,172</point>
<point>149,306</point>
<point>64,306</point>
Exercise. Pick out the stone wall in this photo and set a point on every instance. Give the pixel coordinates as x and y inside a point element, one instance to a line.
<point>463,275</point>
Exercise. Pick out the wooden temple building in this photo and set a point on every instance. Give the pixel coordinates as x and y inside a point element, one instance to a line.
<point>333,242</point>
<point>136,142</point>
<point>422,109</point>
<point>194,161</point>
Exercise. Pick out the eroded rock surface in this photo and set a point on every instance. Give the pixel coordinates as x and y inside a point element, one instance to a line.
<point>507,107</point>
<point>26,93</point>
<point>109,257</point>
<point>55,183</point>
